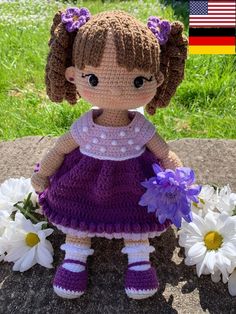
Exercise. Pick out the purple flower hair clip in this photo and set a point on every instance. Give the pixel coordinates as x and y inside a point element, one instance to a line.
<point>74,18</point>
<point>160,28</point>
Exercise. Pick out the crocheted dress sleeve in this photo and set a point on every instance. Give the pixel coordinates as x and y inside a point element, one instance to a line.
<point>79,129</point>
<point>145,131</point>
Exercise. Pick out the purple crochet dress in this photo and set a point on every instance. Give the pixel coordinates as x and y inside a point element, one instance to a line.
<point>96,190</point>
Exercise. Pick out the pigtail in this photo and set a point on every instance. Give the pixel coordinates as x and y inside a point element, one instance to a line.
<point>59,58</point>
<point>172,63</point>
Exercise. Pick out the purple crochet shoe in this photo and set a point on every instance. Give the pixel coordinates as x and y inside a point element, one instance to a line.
<point>68,284</point>
<point>141,284</point>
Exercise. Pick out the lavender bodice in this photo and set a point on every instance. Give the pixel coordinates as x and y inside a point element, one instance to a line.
<point>112,143</point>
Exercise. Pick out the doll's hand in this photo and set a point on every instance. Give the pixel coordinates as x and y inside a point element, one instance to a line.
<point>39,183</point>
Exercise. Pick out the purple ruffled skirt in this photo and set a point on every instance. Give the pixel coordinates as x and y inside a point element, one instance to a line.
<point>93,197</point>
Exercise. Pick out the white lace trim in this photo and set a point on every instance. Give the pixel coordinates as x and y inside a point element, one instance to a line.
<point>121,235</point>
<point>77,249</point>
<point>137,249</point>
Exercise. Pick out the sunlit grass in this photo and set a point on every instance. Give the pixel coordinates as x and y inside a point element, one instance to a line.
<point>204,106</point>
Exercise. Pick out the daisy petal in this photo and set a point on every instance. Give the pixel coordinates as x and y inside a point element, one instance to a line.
<point>44,257</point>
<point>46,232</point>
<point>216,276</point>
<point>210,260</point>
<point>201,267</point>
<point>48,245</point>
<point>17,264</point>
<point>232,284</point>
<point>228,249</point>
<point>16,253</point>
<point>198,249</point>
<point>29,260</point>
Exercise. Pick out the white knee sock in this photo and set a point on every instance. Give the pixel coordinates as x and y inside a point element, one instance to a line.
<point>138,253</point>
<point>78,252</point>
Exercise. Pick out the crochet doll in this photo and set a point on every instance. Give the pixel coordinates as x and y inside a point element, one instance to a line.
<point>90,180</point>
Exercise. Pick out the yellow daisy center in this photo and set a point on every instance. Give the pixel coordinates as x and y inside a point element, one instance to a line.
<point>202,201</point>
<point>213,240</point>
<point>32,239</point>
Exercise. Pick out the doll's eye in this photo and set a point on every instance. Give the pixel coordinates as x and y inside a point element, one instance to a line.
<point>139,81</point>
<point>92,79</point>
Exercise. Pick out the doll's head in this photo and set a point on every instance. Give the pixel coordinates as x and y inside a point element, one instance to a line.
<point>114,61</point>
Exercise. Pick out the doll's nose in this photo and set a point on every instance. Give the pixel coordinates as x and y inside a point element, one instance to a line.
<point>116,90</point>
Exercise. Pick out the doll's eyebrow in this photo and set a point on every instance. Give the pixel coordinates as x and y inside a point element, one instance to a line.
<point>149,80</point>
<point>84,75</point>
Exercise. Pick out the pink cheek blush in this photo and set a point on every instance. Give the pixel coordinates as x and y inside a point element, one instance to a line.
<point>87,94</point>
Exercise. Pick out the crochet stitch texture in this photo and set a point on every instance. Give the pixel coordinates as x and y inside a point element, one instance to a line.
<point>112,143</point>
<point>98,196</point>
<point>136,47</point>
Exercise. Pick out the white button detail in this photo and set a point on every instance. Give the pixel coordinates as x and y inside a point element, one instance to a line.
<point>130,142</point>
<point>123,149</point>
<point>136,129</point>
<point>137,147</point>
<point>122,133</point>
<point>85,129</point>
<point>102,149</point>
<point>103,136</point>
<point>95,140</point>
<point>87,146</point>
<point>114,142</point>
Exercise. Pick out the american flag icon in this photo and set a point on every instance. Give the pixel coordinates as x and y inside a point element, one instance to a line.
<point>212,26</point>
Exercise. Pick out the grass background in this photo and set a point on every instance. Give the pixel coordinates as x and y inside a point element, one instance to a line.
<point>203,107</point>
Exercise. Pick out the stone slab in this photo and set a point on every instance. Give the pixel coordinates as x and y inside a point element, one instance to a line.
<point>181,291</point>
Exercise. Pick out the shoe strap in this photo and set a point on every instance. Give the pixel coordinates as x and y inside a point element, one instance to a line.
<point>73,261</point>
<point>139,263</point>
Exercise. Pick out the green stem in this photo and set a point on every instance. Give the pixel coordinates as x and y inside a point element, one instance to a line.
<point>26,213</point>
<point>27,201</point>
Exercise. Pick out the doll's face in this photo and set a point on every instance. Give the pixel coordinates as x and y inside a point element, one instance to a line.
<point>112,86</point>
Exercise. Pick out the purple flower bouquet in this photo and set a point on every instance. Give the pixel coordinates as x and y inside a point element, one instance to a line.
<point>169,194</point>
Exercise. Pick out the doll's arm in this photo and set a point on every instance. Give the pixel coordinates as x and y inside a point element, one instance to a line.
<point>168,159</point>
<point>52,161</point>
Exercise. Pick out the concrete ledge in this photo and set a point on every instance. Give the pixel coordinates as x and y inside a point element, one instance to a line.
<point>181,290</point>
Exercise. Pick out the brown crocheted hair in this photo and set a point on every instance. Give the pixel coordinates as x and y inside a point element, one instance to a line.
<point>136,47</point>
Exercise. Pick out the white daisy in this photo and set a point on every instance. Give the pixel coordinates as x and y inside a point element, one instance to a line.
<point>226,201</point>
<point>210,244</point>
<point>207,201</point>
<point>13,191</point>
<point>28,245</point>
<point>4,222</point>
